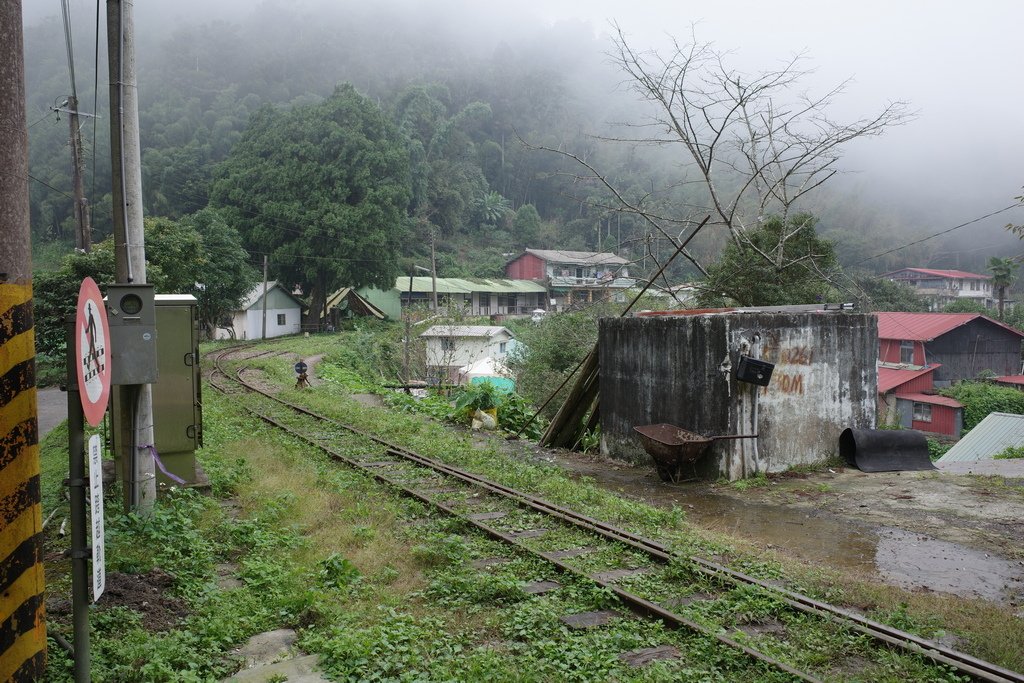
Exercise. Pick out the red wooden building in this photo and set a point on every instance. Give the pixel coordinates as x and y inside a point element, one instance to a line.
<point>907,397</point>
<point>573,277</point>
<point>960,345</point>
<point>920,351</point>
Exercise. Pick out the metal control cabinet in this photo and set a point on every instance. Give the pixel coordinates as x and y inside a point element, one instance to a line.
<point>131,315</point>
<point>177,395</point>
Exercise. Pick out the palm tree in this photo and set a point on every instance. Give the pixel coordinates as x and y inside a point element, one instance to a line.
<point>493,207</point>
<point>1002,277</point>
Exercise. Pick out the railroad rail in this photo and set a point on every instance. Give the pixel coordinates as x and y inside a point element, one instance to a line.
<point>975,668</point>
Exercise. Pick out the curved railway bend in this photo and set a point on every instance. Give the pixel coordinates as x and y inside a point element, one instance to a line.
<point>651,575</point>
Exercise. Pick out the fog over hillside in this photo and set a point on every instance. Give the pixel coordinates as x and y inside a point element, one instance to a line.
<point>957,67</point>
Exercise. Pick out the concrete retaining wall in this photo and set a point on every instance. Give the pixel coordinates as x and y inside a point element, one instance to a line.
<point>680,370</point>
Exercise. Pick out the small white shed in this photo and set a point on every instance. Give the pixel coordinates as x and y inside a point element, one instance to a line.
<point>284,314</point>
<point>450,347</point>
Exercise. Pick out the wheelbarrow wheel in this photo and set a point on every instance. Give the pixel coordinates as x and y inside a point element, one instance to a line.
<point>668,473</point>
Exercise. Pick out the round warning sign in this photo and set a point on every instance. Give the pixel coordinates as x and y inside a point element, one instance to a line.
<point>92,352</point>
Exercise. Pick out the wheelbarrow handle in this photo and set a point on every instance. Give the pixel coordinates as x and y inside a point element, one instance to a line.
<point>732,436</point>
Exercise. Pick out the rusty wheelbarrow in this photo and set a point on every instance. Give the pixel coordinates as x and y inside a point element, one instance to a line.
<point>672,447</point>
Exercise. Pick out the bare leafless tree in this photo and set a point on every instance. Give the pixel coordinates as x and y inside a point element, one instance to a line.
<point>756,143</point>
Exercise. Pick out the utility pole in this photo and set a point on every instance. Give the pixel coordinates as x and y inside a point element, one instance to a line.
<point>83,234</point>
<point>83,239</point>
<point>136,403</point>
<point>23,649</point>
<point>433,271</point>
<point>265,263</point>
<point>408,331</point>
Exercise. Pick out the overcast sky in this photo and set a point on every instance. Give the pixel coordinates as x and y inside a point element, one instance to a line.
<point>957,64</point>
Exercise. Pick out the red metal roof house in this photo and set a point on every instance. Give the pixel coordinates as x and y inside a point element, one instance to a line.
<point>573,277</point>
<point>906,397</point>
<point>961,344</point>
<point>920,351</point>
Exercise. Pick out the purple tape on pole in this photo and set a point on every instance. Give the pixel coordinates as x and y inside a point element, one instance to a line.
<point>160,464</point>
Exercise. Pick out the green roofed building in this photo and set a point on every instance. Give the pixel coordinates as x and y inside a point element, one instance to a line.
<point>479,295</point>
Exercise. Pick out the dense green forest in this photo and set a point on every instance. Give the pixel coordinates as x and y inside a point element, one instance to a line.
<point>459,109</point>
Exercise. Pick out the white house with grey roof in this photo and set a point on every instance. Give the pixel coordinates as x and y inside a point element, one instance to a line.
<point>573,278</point>
<point>283,313</point>
<point>450,347</point>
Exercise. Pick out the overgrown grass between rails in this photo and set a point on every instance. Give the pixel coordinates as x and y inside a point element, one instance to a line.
<point>460,624</point>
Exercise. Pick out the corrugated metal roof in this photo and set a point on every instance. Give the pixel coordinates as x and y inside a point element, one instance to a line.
<point>501,286</point>
<point>890,378</point>
<point>962,274</point>
<point>931,399</point>
<point>425,285</point>
<point>464,331</point>
<point>928,326</point>
<point>576,283</point>
<point>583,258</point>
<point>454,285</point>
<point>1010,379</point>
<point>989,437</point>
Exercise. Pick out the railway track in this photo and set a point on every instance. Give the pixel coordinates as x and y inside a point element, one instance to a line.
<point>517,518</point>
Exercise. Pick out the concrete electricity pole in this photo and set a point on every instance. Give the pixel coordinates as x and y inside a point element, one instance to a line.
<point>23,649</point>
<point>265,265</point>
<point>129,244</point>
<point>83,234</point>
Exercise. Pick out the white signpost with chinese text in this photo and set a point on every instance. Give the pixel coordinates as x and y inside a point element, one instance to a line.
<point>99,574</point>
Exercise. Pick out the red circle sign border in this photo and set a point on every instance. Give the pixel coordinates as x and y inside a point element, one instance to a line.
<point>92,409</point>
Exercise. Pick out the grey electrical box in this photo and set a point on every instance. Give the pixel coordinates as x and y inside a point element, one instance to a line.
<point>131,314</point>
<point>177,397</point>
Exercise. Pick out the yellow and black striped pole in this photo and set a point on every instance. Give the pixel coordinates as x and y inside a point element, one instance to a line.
<point>22,624</point>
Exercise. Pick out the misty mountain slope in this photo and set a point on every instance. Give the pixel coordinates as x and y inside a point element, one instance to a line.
<point>203,75</point>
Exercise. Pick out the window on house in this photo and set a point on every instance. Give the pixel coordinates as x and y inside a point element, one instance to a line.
<point>502,347</point>
<point>907,352</point>
<point>485,299</point>
<point>922,412</point>
<point>447,344</point>
<point>281,318</point>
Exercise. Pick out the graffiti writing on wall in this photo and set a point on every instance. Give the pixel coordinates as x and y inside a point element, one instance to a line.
<point>789,355</point>
<point>788,383</point>
<point>787,379</point>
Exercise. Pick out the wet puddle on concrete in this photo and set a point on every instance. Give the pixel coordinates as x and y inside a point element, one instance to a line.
<point>903,558</point>
<point>817,538</point>
<point>913,561</point>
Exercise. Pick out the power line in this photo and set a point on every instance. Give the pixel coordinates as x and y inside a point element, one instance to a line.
<point>941,232</point>
<point>41,182</point>
<point>41,119</point>
<point>13,129</point>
